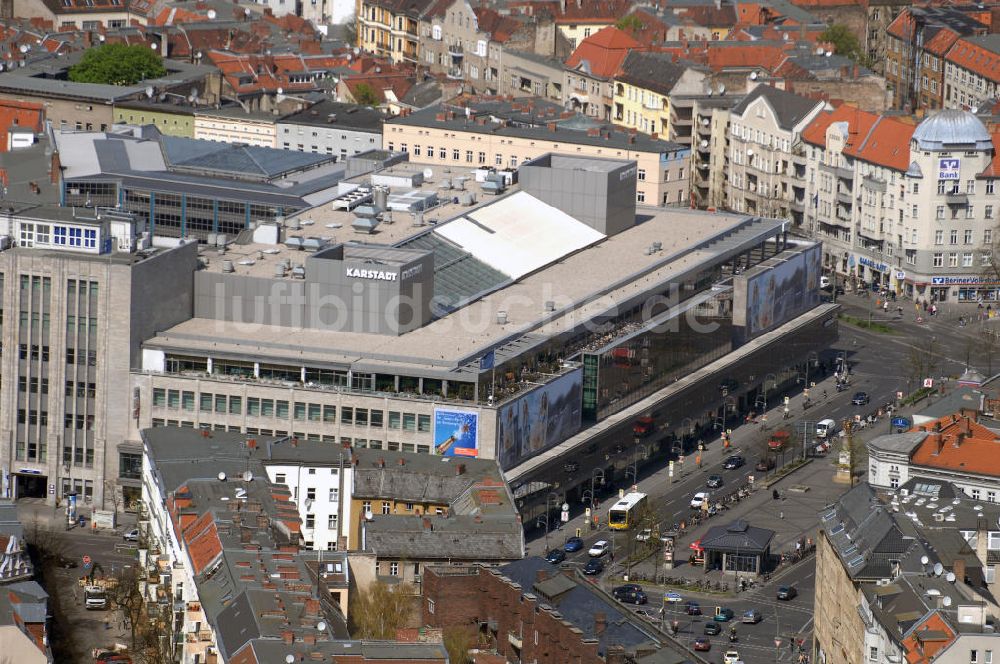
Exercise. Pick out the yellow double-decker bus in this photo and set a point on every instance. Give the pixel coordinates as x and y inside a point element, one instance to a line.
<point>625,513</point>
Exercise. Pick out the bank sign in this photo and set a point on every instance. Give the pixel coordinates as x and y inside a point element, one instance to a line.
<point>963,281</point>
<point>948,169</point>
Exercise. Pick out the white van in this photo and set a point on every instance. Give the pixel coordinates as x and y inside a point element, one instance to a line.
<point>826,428</point>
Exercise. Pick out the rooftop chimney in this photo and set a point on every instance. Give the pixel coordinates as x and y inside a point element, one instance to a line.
<point>381,462</point>
<point>541,575</point>
<point>460,469</point>
<point>287,636</point>
<point>600,623</point>
<point>428,525</point>
<point>402,461</point>
<point>958,567</point>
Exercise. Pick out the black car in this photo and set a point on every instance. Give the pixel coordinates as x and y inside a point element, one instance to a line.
<point>787,592</point>
<point>692,609</point>
<point>556,556</point>
<point>713,628</point>
<point>594,566</point>
<point>630,593</point>
<point>860,398</point>
<point>734,461</point>
<point>714,481</point>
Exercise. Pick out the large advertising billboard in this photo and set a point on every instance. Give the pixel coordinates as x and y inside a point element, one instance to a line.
<point>456,432</point>
<point>782,292</point>
<point>544,417</point>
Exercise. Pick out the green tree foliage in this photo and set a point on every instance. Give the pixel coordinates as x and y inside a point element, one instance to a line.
<point>844,41</point>
<point>630,23</point>
<point>365,94</point>
<point>117,64</point>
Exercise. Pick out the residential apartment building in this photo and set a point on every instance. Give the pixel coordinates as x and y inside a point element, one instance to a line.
<point>710,139</point>
<point>486,132</point>
<point>390,28</point>
<point>972,73</point>
<point>525,74</point>
<point>588,82</point>
<point>331,128</point>
<point>82,14</point>
<point>235,124</point>
<point>466,44</point>
<point>644,87</point>
<point>82,291</point>
<point>170,119</point>
<point>767,165</point>
<point>917,43</point>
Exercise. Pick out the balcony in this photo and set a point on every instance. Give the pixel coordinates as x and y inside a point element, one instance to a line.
<point>955,198</point>
<point>515,640</point>
<point>874,184</point>
<point>456,50</point>
<point>839,171</point>
<point>455,73</point>
<point>797,206</point>
<point>845,198</point>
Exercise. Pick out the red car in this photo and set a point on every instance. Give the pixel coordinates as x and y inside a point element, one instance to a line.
<point>643,427</point>
<point>702,644</point>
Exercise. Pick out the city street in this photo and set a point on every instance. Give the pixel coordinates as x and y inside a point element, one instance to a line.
<point>880,365</point>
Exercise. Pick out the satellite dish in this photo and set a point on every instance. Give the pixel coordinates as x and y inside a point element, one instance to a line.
<point>211,14</point>
<point>946,600</point>
<point>248,476</point>
<point>150,91</point>
<point>101,38</point>
<point>23,48</point>
<point>289,658</point>
<point>222,477</point>
<point>153,46</point>
<point>749,152</point>
<point>722,88</point>
<point>281,91</point>
<point>428,173</point>
<point>950,577</point>
<point>974,109</point>
<point>819,51</point>
<point>369,516</point>
<point>704,143</point>
<point>753,76</point>
<point>924,560</point>
<point>246,12</point>
<point>357,50</point>
<point>191,99</point>
<point>828,53</point>
<point>938,569</point>
<point>378,70</point>
<point>704,121</point>
<point>321,626</point>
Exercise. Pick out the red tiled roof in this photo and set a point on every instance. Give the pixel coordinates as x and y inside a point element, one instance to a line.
<point>872,138</point>
<point>19,114</point>
<point>203,543</point>
<point>604,51</point>
<point>593,11</point>
<point>993,169</point>
<point>922,650</point>
<point>976,453</point>
<point>941,42</point>
<point>500,28</point>
<point>977,59</point>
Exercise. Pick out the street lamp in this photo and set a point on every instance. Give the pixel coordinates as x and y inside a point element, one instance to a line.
<point>596,473</point>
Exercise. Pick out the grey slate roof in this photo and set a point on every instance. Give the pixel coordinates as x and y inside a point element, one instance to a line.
<point>900,443</point>
<point>738,536</point>
<point>652,71</point>
<point>228,158</point>
<point>789,108</point>
<point>345,116</point>
<point>452,538</point>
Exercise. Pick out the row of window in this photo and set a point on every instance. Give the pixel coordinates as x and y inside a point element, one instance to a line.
<point>967,236</point>
<point>392,446</point>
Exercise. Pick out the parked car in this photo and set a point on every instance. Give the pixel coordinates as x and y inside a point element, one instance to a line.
<point>131,535</point>
<point>573,544</point>
<point>646,615</point>
<point>786,593</point>
<point>692,609</point>
<point>723,614</point>
<point>644,535</point>
<point>556,556</point>
<point>751,617</point>
<point>765,464</point>
<point>731,657</point>
<point>593,567</point>
<point>630,593</point>
<point>714,481</point>
<point>702,644</point>
<point>860,399</point>
<point>734,461</point>
<point>826,428</point>
<point>779,440</point>
<point>699,499</point>
<point>712,628</point>
<point>671,597</point>
<point>599,548</point>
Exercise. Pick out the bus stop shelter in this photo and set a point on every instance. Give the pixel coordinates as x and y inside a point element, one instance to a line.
<point>737,548</point>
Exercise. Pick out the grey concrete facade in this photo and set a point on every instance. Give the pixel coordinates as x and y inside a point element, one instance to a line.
<point>76,324</point>
<point>331,128</point>
<point>356,288</point>
<point>598,192</point>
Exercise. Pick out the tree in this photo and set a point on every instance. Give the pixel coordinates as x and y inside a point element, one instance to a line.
<point>113,494</point>
<point>630,23</point>
<point>117,64</point>
<point>351,31</point>
<point>458,641</point>
<point>922,361</point>
<point>379,612</point>
<point>365,94</point>
<point>844,41</point>
<point>123,594</point>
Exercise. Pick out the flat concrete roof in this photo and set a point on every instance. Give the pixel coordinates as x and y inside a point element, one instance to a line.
<point>578,290</point>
